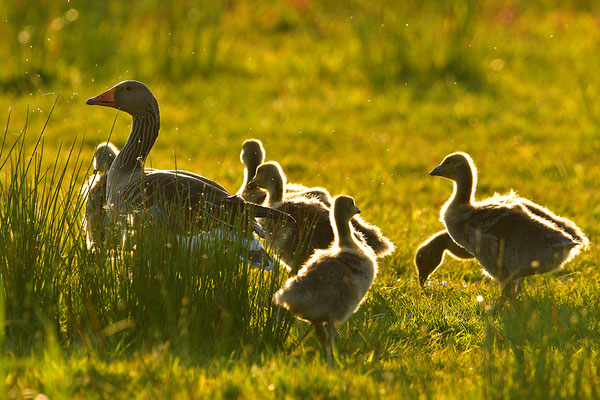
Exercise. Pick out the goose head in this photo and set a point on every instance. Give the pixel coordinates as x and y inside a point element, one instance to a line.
<point>133,97</point>
<point>104,156</point>
<point>253,153</point>
<point>344,208</point>
<point>268,176</point>
<point>428,257</point>
<point>455,166</point>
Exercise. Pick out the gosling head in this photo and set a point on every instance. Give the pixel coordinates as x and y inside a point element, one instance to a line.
<point>104,156</point>
<point>454,166</point>
<point>253,153</point>
<point>428,257</point>
<point>344,208</point>
<point>133,97</point>
<point>268,176</point>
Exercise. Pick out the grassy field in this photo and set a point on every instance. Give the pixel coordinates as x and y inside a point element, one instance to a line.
<point>361,97</point>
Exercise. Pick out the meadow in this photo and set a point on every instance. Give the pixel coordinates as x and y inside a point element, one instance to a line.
<point>362,97</point>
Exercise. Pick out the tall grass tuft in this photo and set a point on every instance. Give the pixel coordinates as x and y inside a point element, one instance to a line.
<point>149,285</point>
<point>198,294</point>
<point>38,217</point>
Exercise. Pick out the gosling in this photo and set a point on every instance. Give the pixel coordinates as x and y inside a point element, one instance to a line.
<point>430,254</point>
<point>95,188</point>
<point>311,230</point>
<point>507,239</point>
<point>252,155</point>
<point>333,283</point>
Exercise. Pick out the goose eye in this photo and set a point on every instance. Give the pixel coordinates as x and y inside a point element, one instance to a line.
<point>128,88</point>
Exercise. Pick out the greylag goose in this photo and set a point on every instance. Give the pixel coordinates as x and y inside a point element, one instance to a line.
<point>131,187</point>
<point>296,241</point>
<point>333,283</point>
<point>305,209</point>
<point>252,155</point>
<point>431,253</point>
<point>95,191</point>
<point>372,235</point>
<point>503,234</point>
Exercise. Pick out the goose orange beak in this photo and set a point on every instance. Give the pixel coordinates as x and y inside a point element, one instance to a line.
<point>106,99</point>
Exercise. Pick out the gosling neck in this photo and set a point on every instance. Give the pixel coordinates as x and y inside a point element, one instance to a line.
<point>343,233</point>
<point>250,171</point>
<point>438,245</point>
<point>464,188</point>
<point>144,131</point>
<point>276,189</point>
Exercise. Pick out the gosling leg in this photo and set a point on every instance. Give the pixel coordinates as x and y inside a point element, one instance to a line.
<point>510,289</point>
<point>332,333</point>
<point>306,332</point>
<point>321,335</point>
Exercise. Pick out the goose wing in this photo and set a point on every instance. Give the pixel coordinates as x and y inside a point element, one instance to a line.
<point>190,193</point>
<point>193,176</point>
<point>494,228</point>
<point>561,223</point>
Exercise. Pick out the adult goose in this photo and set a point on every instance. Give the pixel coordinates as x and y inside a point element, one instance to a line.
<point>333,283</point>
<point>131,187</point>
<point>252,155</point>
<point>507,239</point>
<point>95,191</point>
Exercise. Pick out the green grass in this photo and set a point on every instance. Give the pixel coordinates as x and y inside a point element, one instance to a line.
<point>363,98</point>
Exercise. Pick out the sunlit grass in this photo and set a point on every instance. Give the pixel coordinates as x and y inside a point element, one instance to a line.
<point>343,95</point>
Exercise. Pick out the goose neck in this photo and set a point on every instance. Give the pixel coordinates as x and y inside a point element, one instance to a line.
<point>251,167</point>
<point>464,188</point>
<point>276,190</point>
<point>144,131</point>
<point>343,232</point>
<point>439,244</point>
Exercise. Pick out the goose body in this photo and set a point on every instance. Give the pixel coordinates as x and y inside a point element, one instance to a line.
<point>296,241</point>
<point>95,190</point>
<point>131,187</point>
<point>431,252</point>
<point>318,193</point>
<point>332,284</point>
<point>508,239</point>
<point>312,229</point>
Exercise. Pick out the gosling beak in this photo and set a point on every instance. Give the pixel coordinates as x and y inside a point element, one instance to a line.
<point>437,171</point>
<point>106,99</point>
<point>252,184</point>
<point>356,210</point>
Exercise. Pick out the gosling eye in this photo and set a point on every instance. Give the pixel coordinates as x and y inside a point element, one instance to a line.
<point>127,88</point>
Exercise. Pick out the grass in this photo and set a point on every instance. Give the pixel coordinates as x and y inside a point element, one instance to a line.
<point>343,95</point>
